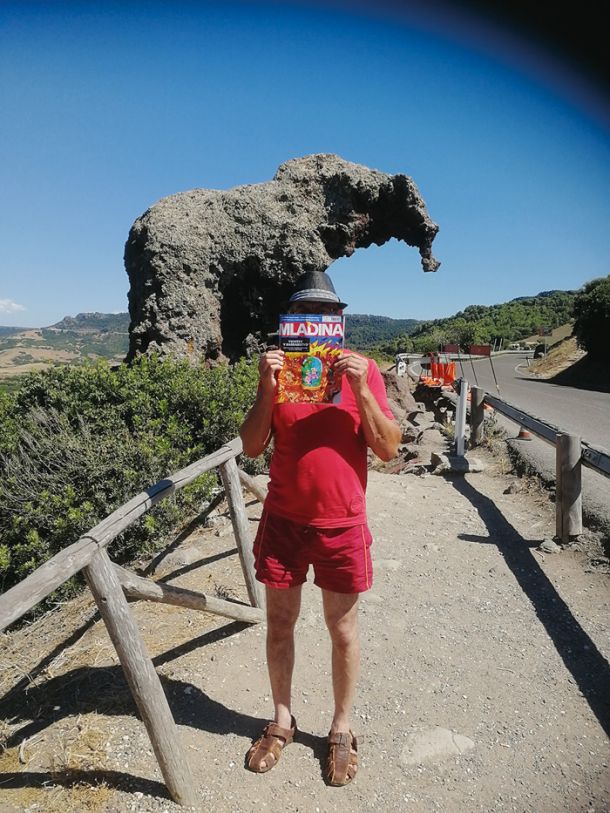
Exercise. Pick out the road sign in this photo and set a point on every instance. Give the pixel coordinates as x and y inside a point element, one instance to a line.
<point>480,350</point>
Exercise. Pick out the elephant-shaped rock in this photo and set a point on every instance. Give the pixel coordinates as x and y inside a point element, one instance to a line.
<point>210,270</point>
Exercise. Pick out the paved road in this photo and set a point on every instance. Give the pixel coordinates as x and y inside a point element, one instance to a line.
<point>581,412</point>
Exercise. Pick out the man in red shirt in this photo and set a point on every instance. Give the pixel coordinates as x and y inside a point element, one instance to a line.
<point>315,514</point>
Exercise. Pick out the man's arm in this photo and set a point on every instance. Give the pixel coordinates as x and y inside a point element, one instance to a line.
<point>255,432</point>
<point>382,434</point>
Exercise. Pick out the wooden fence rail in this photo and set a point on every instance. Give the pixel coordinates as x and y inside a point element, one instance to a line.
<point>111,585</point>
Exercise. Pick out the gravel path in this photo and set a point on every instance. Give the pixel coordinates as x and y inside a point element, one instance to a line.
<point>484,685</point>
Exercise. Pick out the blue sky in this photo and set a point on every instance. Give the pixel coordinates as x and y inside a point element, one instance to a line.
<point>109,107</point>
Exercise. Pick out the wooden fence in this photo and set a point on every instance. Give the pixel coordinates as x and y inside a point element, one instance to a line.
<point>111,585</point>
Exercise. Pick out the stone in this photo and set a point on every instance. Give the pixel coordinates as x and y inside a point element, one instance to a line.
<point>548,545</point>
<point>514,488</point>
<point>433,745</point>
<point>397,411</point>
<point>456,464</point>
<point>410,432</point>
<point>417,417</point>
<point>388,564</point>
<point>210,270</point>
<point>408,451</point>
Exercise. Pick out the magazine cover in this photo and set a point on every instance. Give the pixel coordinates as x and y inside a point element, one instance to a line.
<point>311,343</point>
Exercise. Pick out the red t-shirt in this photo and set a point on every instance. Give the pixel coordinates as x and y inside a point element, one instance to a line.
<point>318,468</point>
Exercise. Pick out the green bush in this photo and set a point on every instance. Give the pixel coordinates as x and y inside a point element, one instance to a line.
<point>76,443</point>
<point>592,317</point>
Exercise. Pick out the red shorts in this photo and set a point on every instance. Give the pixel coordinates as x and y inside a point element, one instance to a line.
<point>341,557</point>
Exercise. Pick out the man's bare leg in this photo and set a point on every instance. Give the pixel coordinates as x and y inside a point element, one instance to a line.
<point>283,608</point>
<point>341,615</point>
<point>282,612</point>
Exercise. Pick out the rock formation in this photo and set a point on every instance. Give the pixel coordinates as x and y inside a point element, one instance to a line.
<point>209,270</point>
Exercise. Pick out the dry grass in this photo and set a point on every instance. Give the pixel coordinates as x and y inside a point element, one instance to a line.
<point>558,359</point>
<point>61,752</point>
<point>24,650</point>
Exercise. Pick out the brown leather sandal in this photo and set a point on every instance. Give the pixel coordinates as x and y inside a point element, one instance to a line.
<point>342,759</point>
<point>269,746</point>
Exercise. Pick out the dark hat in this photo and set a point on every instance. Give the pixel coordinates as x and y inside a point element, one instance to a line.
<point>315,286</point>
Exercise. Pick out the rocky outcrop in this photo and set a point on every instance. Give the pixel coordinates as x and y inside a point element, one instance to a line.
<point>210,270</point>
<point>400,396</point>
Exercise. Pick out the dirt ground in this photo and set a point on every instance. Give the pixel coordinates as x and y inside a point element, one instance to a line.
<point>484,684</point>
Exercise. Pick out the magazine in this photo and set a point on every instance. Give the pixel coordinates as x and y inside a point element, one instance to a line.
<point>311,343</point>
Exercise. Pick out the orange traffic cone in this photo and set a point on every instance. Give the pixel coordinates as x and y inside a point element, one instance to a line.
<point>449,373</point>
<point>524,434</point>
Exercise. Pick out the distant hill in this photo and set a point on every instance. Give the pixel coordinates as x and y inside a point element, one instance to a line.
<point>363,331</point>
<point>541,295</point>
<point>105,335</point>
<point>94,322</point>
<point>70,341</point>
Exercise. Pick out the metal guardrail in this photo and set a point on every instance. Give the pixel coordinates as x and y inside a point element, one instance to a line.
<point>596,459</point>
<point>543,430</point>
<point>571,453</point>
<point>593,457</point>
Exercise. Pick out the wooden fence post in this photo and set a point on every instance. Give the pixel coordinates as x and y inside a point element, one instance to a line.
<point>477,416</point>
<point>568,489</point>
<point>142,679</point>
<point>237,507</point>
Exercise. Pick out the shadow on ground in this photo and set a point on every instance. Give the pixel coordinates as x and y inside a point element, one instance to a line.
<point>579,653</point>
<point>584,374</point>
<point>114,779</point>
<point>104,690</point>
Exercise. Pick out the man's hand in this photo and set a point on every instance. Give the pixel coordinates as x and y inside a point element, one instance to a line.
<point>269,365</point>
<point>255,431</point>
<point>355,368</point>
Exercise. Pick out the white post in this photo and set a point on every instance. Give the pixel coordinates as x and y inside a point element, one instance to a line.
<point>460,419</point>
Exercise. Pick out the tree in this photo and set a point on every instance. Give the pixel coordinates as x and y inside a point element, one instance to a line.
<point>592,317</point>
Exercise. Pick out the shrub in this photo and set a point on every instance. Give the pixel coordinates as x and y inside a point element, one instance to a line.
<point>592,317</point>
<point>76,443</point>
